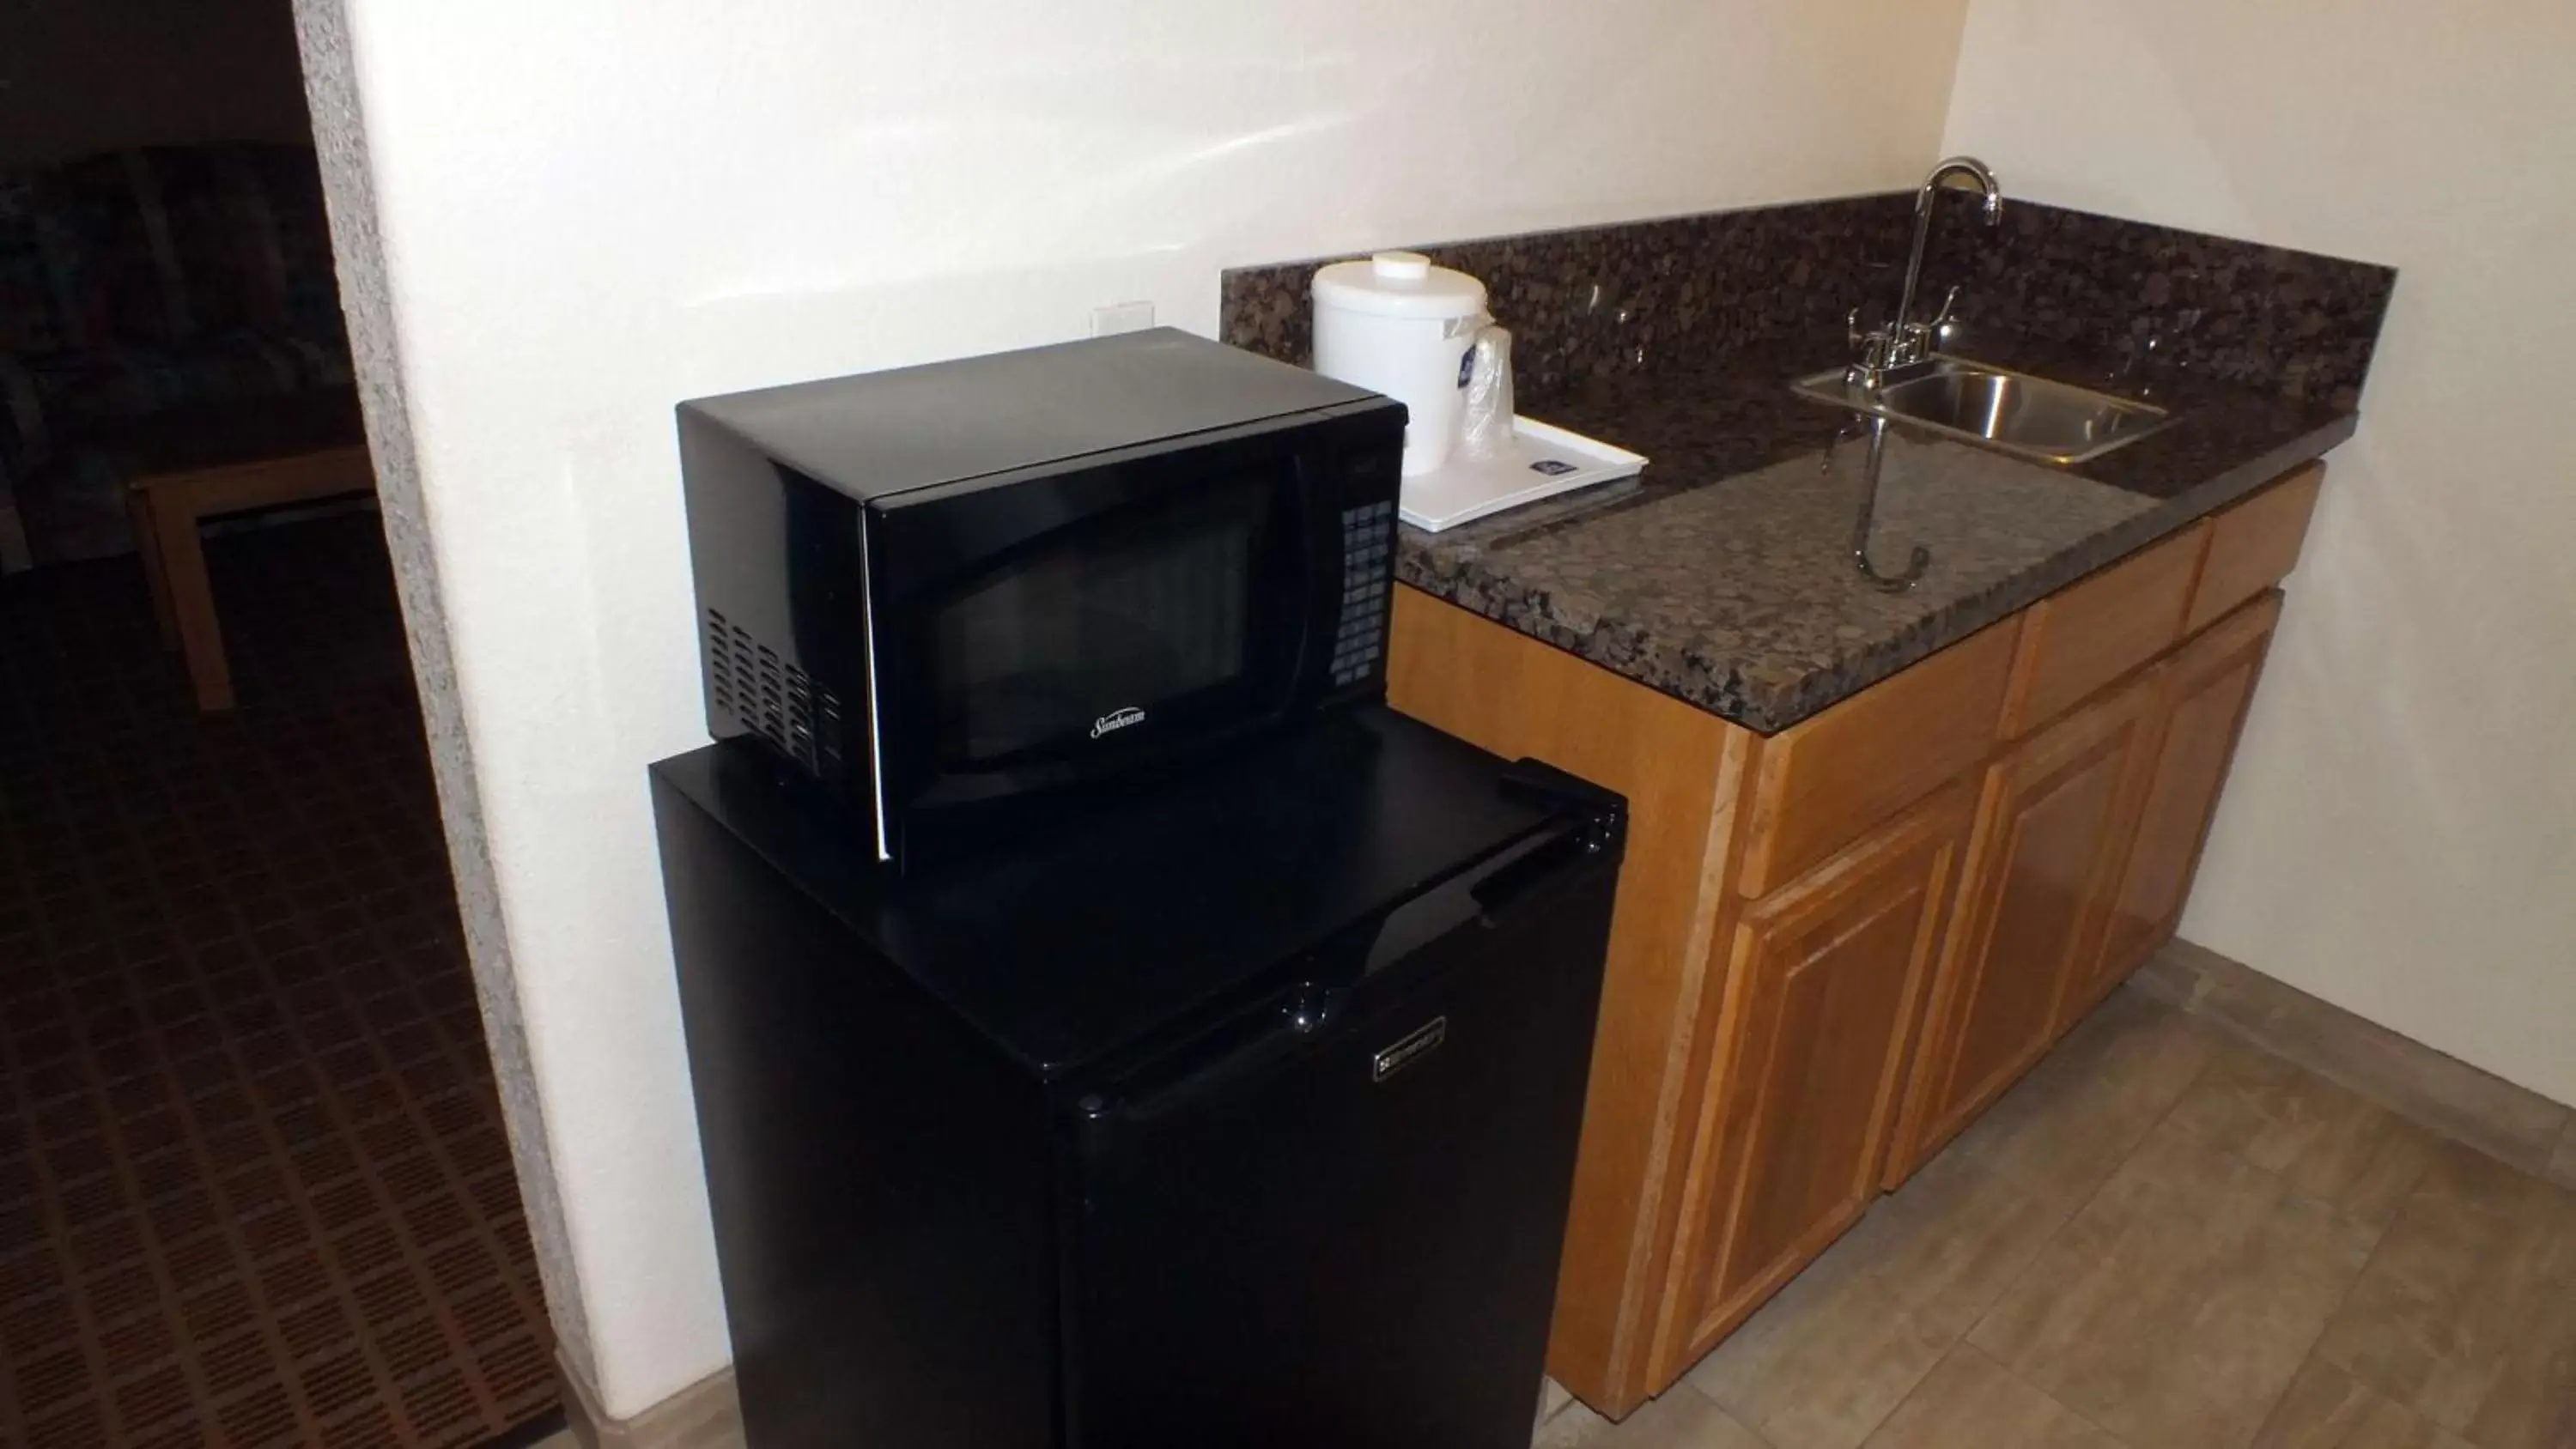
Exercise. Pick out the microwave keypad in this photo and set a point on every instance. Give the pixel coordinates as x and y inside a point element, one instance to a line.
<point>1368,539</point>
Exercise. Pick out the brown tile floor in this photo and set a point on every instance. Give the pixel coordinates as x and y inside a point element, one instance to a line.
<point>253,1183</point>
<point>2164,1239</point>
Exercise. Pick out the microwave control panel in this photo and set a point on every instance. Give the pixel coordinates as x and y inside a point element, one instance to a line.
<point>1368,571</point>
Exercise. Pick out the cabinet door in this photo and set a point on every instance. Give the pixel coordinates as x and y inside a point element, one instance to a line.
<point>1825,980</point>
<point>2201,707</point>
<point>2039,875</point>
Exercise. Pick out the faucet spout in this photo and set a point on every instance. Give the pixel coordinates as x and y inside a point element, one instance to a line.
<point>1909,340</point>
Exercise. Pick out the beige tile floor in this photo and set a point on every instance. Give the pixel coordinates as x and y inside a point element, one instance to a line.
<point>2163,1237</point>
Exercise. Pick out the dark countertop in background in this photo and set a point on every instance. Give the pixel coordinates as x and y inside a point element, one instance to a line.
<point>1725,579</point>
<point>1724,576</point>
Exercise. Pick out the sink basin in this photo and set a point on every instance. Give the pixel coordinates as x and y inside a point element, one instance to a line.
<point>2012,412</point>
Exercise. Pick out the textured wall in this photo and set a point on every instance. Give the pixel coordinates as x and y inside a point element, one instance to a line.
<point>2399,836</point>
<point>340,135</point>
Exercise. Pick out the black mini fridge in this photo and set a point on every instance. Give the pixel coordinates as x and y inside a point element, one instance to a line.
<point>1241,1114</point>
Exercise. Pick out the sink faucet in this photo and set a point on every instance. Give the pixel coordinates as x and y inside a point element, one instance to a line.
<point>1902,341</point>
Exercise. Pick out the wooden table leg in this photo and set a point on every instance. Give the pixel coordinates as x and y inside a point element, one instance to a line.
<point>192,598</point>
<point>147,547</point>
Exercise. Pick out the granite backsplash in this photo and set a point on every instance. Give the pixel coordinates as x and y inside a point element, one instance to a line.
<point>2295,325</point>
<point>1595,300</point>
<point>2126,300</point>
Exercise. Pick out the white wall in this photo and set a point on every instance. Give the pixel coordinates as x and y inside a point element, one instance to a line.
<point>589,209</point>
<point>82,76</point>
<point>2399,836</point>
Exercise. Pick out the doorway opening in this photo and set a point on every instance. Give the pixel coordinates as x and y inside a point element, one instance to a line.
<point>254,1182</point>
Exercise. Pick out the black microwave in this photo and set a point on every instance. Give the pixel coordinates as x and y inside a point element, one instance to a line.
<point>962,594</point>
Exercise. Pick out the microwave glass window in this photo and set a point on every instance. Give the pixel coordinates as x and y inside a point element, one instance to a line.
<point>1093,631</point>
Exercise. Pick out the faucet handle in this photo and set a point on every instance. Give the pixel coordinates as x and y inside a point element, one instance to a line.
<point>1873,349</point>
<point>1919,339</point>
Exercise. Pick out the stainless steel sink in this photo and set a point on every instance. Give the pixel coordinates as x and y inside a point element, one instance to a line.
<point>2012,412</point>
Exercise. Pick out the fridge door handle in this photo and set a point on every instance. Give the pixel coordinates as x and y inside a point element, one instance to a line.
<point>1258,1044</point>
<point>1533,778</point>
<point>1524,879</point>
<point>1314,1006</point>
<point>1504,894</point>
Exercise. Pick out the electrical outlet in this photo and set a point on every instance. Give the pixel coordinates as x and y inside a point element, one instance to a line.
<point>1124,317</point>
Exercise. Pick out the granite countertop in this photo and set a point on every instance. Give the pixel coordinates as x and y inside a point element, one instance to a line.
<point>1724,576</point>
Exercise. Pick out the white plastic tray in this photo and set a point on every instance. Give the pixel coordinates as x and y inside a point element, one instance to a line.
<point>1542,462</point>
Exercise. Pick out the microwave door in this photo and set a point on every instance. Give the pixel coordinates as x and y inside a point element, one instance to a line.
<point>1114,625</point>
<point>1058,628</point>
<point>877,813</point>
<point>1167,619</point>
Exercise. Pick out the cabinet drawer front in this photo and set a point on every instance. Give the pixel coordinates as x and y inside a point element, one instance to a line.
<point>2255,544</point>
<point>2082,638</point>
<point>1825,781</point>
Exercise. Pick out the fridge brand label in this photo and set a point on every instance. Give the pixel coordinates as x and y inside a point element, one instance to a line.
<point>1116,719</point>
<point>1418,1043</point>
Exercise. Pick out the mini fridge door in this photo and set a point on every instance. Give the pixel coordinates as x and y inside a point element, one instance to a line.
<point>1338,1221</point>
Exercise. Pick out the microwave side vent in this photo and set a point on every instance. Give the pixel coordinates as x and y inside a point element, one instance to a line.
<point>771,697</point>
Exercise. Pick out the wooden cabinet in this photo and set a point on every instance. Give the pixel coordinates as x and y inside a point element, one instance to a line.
<point>1680,768</point>
<point>2039,879</point>
<point>2102,629</point>
<point>1836,945</point>
<point>1823,781</point>
<point>2254,545</point>
<point>2202,698</point>
<point>1823,980</point>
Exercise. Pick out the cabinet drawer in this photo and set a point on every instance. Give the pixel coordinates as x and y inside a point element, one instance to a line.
<point>1822,782</point>
<point>2082,638</point>
<point>2254,545</point>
